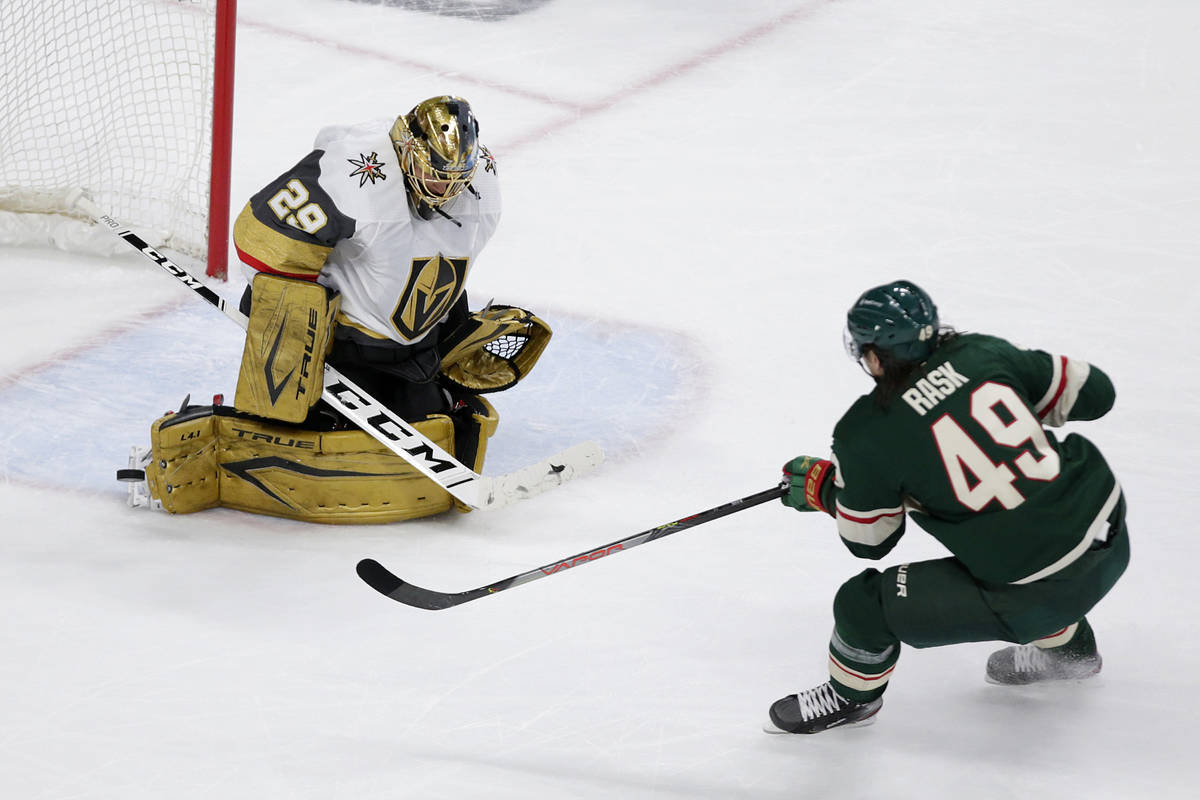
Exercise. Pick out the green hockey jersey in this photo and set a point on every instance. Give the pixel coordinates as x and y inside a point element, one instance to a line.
<point>963,447</point>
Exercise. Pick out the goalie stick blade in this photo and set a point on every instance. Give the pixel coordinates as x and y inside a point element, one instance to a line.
<point>504,490</point>
<point>379,578</point>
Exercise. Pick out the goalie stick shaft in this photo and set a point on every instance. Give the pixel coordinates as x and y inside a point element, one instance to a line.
<point>385,582</point>
<point>380,422</point>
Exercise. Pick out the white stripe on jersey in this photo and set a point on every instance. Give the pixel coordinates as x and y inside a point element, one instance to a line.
<point>1096,532</point>
<point>868,527</point>
<point>861,681</point>
<point>1067,379</point>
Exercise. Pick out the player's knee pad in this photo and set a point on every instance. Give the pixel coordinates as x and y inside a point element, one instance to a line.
<point>207,456</point>
<point>289,335</point>
<point>858,611</point>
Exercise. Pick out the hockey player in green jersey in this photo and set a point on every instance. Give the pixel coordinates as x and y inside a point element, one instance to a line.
<point>952,434</point>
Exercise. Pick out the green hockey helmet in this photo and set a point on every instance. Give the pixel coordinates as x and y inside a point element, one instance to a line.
<point>898,317</point>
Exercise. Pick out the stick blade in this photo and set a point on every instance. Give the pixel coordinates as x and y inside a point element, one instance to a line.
<point>504,490</point>
<point>381,579</point>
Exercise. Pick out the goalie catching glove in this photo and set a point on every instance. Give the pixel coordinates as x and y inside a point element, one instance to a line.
<point>810,487</point>
<point>493,349</point>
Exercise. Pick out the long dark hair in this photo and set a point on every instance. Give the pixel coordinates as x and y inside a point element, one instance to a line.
<point>898,372</point>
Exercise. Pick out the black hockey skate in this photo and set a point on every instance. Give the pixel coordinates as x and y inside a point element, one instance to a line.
<point>1024,664</point>
<point>819,709</point>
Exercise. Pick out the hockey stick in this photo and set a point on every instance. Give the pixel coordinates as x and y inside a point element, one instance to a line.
<point>379,578</point>
<point>380,422</point>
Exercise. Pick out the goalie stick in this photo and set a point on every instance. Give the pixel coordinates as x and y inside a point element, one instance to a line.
<point>381,422</point>
<point>382,580</point>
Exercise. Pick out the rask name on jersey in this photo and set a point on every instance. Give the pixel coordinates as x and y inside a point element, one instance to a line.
<point>936,386</point>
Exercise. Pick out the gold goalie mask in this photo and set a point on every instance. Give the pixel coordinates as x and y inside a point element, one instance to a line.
<point>438,147</point>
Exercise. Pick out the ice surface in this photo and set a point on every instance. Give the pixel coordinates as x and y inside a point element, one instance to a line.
<point>694,193</point>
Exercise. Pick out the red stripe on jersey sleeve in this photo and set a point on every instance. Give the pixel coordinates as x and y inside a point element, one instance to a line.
<point>262,266</point>
<point>1062,386</point>
<point>868,520</point>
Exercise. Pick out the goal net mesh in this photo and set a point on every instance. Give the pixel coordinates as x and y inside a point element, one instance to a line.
<point>114,97</point>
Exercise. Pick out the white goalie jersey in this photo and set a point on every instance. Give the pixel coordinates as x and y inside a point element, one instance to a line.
<point>342,217</point>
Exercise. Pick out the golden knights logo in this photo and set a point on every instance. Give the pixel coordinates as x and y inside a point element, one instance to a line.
<point>435,285</point>
<point>370,168</point>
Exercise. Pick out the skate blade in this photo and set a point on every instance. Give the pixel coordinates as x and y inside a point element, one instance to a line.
<point>137,490</point>
<point>770,727</point>
<point>1043,681</point>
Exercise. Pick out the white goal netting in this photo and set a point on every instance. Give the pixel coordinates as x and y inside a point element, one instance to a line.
<point>114,97</point>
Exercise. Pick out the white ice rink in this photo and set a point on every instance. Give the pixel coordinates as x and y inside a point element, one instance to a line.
<point>694,194</point>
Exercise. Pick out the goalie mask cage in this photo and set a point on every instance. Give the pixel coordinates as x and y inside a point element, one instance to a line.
<point>130,100</point>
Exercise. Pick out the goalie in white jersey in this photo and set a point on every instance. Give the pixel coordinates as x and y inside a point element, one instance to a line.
<point>360,254</point>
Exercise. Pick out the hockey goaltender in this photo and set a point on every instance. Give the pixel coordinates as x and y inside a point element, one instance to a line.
<point>359,255</point>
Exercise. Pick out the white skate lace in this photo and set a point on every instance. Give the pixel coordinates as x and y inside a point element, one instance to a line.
<point>819,702</point>
<point>1030,658</point>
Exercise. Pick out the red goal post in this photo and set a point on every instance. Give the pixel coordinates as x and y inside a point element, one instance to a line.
<point>129,100</point>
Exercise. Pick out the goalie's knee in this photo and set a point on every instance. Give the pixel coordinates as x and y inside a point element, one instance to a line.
<point>287,339</point>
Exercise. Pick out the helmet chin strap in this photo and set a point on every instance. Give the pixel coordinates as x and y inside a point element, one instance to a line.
<point>425,210</point>
<point>442,212</point>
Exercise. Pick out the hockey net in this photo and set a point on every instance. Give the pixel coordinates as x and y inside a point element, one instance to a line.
<point>129,100</point>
